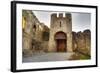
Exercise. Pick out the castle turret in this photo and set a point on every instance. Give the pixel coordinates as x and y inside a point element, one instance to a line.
<point>61,27</point>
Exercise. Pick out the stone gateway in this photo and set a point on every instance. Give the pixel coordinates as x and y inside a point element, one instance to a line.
<point>60,39</point>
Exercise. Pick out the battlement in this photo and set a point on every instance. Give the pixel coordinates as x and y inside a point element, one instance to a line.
<point>54,15</point>
<point>61,15</point>
<point>68,14</point>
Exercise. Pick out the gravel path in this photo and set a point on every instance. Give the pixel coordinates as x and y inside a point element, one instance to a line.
<point>44,57</point>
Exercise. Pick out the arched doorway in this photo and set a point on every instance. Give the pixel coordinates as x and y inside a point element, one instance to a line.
<point>60,38</point>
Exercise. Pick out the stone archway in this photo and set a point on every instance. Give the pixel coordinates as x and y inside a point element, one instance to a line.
<point>61,44</point>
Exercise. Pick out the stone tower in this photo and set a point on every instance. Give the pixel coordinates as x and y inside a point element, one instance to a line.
<point>60,39</point>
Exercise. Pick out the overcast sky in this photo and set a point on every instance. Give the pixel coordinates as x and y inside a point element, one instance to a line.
<point>80,21</point>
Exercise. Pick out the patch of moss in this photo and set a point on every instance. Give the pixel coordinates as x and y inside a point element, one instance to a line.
<point>78,56</point>
<point>84,57</point>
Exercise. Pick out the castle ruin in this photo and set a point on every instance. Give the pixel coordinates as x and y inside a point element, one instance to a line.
<point>37,37</point>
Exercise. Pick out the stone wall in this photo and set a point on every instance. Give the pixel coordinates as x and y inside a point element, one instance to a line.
<point>32,38</point>
<point>82,42</point>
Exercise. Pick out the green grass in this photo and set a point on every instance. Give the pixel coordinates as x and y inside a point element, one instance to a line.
<point>78,56</point>
<point>84,57</point>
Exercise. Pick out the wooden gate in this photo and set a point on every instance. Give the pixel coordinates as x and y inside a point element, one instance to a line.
<point>60,39</point>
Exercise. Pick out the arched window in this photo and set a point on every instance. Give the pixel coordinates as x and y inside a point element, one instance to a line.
<point>34,27</point>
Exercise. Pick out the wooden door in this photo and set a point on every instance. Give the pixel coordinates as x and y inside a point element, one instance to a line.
<point>61,45</point>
